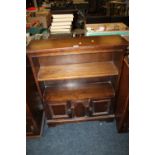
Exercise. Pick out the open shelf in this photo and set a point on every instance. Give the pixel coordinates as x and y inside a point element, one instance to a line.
<point>87,91</point>
<point>73,71</point>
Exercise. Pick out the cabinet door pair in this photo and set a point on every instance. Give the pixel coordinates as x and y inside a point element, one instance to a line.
<point>83,108</point>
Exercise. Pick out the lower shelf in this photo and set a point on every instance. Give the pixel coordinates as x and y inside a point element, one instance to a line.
<point>95,91</point>
<point>81,119</point>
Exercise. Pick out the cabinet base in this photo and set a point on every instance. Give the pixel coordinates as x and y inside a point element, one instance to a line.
<point>41,129</point>
<point>54,122</point>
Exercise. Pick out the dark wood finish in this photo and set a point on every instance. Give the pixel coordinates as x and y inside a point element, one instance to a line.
<point>80,92</point>
<point>35,68</point>
<point>58,110</point>
<point>101,107</point>
<point>80,119</point>
<point>73,71</point>
<point>122,106</point>
<point>34,111</point>
<point>78,82</point>
<point>58,97</point>
<point>79,109</point>
<point>89,43</point>
<point>78,77</point>
<point>75,59</point>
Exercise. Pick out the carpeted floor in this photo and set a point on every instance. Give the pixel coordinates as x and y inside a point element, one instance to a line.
<point>87,138</point>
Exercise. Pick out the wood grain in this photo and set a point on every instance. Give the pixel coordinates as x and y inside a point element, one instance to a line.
<point>122,100</point>
<point>80,119</point>
<point>85,70</point>
<point>75,72</point>
<point>42,46</point>
<point>95,91</point>
<point>76,58</point>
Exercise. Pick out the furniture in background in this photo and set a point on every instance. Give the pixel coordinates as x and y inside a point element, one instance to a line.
<point>43,16</point>
<point>78,78</point>
<point>102,29</point>
<point>108,11</point>
<point>118,8</point>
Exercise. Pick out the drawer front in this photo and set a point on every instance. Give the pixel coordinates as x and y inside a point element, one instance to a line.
<point>100,107</point>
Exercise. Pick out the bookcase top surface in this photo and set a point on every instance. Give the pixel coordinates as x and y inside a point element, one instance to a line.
<point>37,46</point>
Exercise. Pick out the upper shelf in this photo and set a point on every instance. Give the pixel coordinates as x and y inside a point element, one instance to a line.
<point>73,71</point>
<point>54,46</point>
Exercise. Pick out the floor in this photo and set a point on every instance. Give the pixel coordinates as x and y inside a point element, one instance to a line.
<point>87,138</point>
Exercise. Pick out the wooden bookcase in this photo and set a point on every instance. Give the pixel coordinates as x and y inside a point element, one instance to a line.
<point>77,78</point>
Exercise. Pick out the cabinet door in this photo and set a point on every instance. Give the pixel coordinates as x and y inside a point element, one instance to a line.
<point>100,107</point>
<point>60,109</point>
